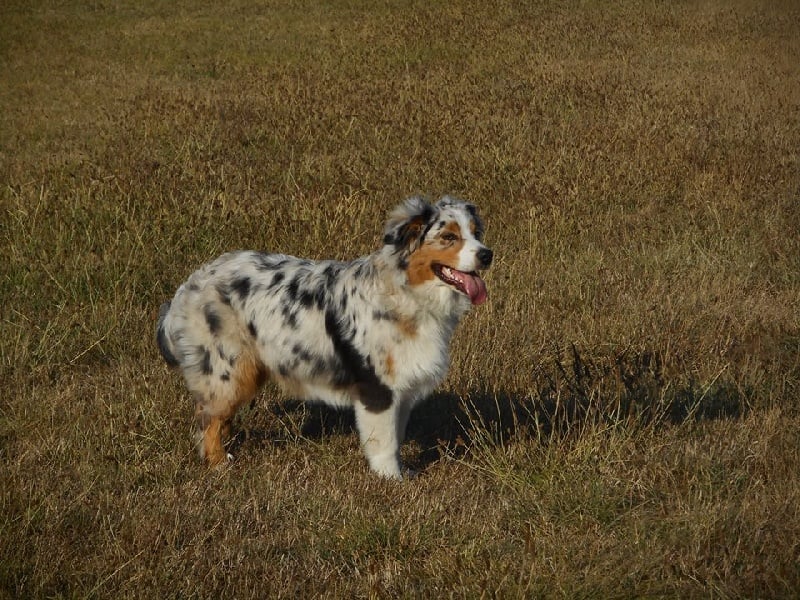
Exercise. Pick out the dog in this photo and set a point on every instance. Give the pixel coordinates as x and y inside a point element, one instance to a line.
<point>372,333</point>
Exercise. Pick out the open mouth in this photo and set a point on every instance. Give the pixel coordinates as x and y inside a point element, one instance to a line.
<point>469,284</point>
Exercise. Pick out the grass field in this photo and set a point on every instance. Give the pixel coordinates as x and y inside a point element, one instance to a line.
<point>622,418</point>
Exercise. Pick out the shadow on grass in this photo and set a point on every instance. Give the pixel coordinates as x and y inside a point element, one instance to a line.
<point>572,392</point>
<point>628,389</point>
<point>286,422</point>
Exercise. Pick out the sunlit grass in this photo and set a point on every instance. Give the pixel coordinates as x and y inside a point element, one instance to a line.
<point>620,418</point>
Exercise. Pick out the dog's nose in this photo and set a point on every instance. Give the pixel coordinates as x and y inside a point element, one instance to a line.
<point>485,256</point>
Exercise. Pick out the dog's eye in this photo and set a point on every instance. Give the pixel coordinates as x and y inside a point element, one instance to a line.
<point>449,236</point>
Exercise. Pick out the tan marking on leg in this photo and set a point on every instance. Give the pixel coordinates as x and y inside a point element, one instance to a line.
<point>291,387</point>
<point>214,413</point>
<point>407,326</point>
<point>390,365</point>
<point>248,376</point>
<point>213,435</point>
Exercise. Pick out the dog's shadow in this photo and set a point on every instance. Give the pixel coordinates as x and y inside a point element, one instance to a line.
<point>439,425</point>
<point>628,389</point>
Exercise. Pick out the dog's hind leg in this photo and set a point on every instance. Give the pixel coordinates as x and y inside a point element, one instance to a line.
<point>220,389</point>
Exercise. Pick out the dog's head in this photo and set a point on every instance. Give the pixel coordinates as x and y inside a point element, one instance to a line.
<point>439,244</point>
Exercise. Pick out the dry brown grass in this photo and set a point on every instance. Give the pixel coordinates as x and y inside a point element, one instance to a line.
<point>621,418</point>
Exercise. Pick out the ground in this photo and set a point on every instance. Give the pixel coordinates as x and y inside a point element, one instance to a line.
<point>621,417</point>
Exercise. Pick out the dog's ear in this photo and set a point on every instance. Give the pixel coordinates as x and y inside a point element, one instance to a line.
<point>407,224</point>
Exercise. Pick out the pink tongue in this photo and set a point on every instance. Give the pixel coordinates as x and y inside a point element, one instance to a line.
<point>472,285</point>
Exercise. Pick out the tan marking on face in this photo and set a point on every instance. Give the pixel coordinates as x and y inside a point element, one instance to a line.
<point>419,264</point>
<point>452,227</point>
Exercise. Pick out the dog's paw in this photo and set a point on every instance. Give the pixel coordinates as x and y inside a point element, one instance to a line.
<point>220,462</point>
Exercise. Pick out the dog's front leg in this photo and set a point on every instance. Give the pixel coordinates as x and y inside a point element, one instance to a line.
<point>380,437</point>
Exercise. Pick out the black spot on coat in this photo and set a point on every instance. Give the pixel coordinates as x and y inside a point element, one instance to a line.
<point>375,396</point>
<point>291,290</point>
<point>241,286</point>
<point>205,366</point>
<point>279,277</point>
<point>356,368</point>
<point>384,315</point>
<point>301,353</point>
<point>212,319</point>
<point>314,297</point>
<point>330,273</point>
<point>306,299</point>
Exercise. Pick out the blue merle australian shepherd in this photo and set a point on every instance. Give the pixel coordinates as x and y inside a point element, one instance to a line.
<point>372,333</point>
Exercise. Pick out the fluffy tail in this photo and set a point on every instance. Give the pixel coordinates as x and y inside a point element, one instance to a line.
<point>161,337</point>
